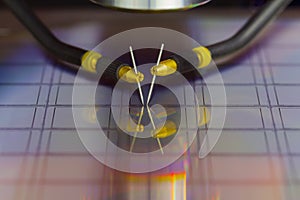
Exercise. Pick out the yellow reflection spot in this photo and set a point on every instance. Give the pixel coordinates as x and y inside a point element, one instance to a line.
<point>90,115</point>
<point>168,113</point>
<point>175,179</point>
<point>203,116</point>
<point>138,128</point>
<point>168,129</point>
<point>217,197</point>
<point>171,186</point>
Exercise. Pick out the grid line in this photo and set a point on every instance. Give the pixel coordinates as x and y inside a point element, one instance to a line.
<point>266,108</point>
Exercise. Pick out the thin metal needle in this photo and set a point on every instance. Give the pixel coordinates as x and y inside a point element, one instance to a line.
<point>136,72</point>
<point>151,89</point>
<point>139,123</point>
<point>154,76</point>
<point>154,128</point>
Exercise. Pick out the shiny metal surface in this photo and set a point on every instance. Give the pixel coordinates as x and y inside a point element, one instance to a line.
<point>151,5</point>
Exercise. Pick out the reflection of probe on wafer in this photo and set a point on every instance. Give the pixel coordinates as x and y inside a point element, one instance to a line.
<point>90,116</point>
<point>170,128</point>
<point>165,130</point>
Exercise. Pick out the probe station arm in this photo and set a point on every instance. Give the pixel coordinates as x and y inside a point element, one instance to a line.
<point>219,52</point>
<point>200,56</point>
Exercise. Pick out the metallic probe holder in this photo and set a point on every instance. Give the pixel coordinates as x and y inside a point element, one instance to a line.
<point>151,5</point>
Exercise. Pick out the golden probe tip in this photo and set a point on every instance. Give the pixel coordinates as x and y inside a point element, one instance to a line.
<point>89,61</point>
<point>127,73</point>
<point>164,68</point>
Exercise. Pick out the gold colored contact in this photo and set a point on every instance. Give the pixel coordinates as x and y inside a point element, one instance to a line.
<point>127,73</point>
<point>167,130</point>
<point>204,56</point>
<point>164,68</point>
<point>89,61</point>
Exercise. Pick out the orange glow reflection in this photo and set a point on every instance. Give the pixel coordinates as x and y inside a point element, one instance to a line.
<point>217,197</point>
<point>85,197</point>
<point>167,186</point>
<point>175,179</point>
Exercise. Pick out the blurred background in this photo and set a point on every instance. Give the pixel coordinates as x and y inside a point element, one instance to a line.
<point>87,3</point>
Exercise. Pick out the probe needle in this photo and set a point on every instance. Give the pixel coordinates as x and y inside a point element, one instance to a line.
<point>139,123</point>
<point>154,76</point>
<point>136,72</point>
<point>154,127</point>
